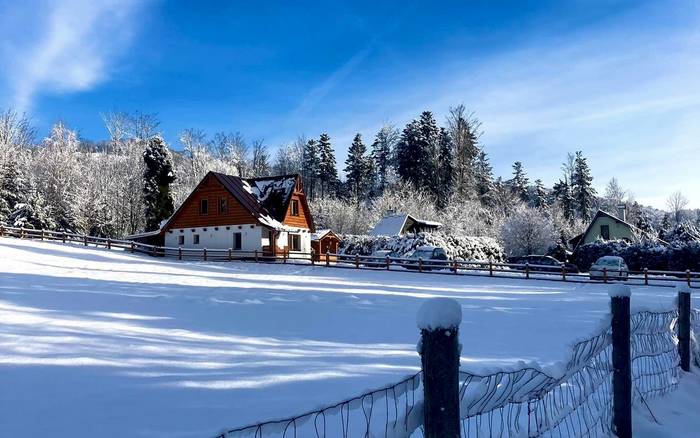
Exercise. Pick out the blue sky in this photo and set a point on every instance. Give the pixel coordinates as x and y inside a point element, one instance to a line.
<point>619,80</point>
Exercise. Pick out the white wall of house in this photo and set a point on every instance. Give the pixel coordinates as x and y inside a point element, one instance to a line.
<point>305,239</point>
<point>219,237</point>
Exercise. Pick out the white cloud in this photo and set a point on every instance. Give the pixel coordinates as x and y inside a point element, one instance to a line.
<point>70,48</point>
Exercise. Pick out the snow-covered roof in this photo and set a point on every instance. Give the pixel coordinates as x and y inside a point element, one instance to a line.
<point>396,224</point>
<point>320,234</point>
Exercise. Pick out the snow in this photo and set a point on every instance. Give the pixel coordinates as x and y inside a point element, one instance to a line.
<point>318,235</point>
<point>263,188</point>
<point>391,225</point>
<point>105,343</point>
<point>439,313</point>
<point>672,415</point>
<point>619,290</point>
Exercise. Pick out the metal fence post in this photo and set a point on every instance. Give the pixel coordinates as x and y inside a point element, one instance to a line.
<point>621,361</point>
<point>684,327</point>
<point>439,351</point>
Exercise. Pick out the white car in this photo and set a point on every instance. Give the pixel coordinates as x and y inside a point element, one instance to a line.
<point>610,268</point>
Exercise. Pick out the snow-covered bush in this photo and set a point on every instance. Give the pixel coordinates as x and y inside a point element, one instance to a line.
<point>457,247</point>
<point>527,231</point>
<point>640,255</point>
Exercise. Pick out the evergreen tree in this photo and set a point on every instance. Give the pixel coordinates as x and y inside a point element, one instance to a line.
<point>665,226</point>
<point>328,172</point>
<point>582,186</point>
<point>358,169</point>
<point>382,150</point>
<point>13,189</point>
<point>408,154</point>
<point>429,143</point>
<point>157,177</point>
<point>562,192</point>
<point>312,167</point>
<point>540,196</point>
<point>445,170</point>
<point>519,182</point>
<point>644,224</point>
<point>484,178</point>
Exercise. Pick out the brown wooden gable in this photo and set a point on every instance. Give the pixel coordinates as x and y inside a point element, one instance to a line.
<point>304,218</point>
<point>211,189</point>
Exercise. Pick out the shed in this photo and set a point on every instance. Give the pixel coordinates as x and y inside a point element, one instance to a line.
<point>399,224</point>
<point>324,241</point>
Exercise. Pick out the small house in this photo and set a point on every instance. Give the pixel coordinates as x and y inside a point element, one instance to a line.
<point>606,226</point>
<point>399,224</point>
<point>270,215</point>
<point>324,241</point>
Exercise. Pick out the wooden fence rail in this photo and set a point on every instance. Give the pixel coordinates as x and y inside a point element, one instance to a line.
<point>645,277</point>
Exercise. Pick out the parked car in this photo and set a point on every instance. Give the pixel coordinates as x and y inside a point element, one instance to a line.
<point>544,263</point>
<point>428,254</point>
<point>610,267</point>
<point>381,256</point>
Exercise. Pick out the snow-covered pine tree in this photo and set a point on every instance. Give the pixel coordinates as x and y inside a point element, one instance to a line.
<point>539,200</point>
<point>665,226</point>
<point>519,182</point>
<point>13,189</point>
<point>382,153</point>
<point>429,141</point>
<point>464,131</point>
<point>582,186</point>
<point>312,167</point>
<point>157,177</point>
<point>484,178</point>
<point>328,172</point>
<point>562,192</point>
<point>445,170</point>
<point>358,169</point>
<point>409,153</point>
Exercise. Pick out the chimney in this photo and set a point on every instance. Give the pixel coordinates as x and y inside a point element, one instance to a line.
<point>622,212</point>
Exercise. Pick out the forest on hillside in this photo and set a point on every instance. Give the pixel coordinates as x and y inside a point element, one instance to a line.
<point>133,180</point>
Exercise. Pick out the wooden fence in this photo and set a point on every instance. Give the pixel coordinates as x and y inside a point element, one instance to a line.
<point>645,277</point>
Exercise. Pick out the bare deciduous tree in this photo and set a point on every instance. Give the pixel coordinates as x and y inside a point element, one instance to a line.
<point>676,203</point>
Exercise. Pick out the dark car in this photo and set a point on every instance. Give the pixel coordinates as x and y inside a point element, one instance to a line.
<point>433,258</point>
<point>543,263</point>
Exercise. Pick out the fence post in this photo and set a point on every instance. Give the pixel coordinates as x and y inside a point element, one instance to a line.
<point>687,276</point>
<point>357,261</point>
<point>328,259</point>
<point>109,243</point>
<point>284,256</point>
<point>388,261</point>
<point>229,254</point>
<point>132,245</point>
<point>605,275</point>
<point>438,321</point>
<point>179,253</point>
<point>527,270</point>
<point>313,257</point>
<point>646,277</point>
<point>684,327</point>
<point>563,272</point>
<point>622,366</point>
<point>2,230</point>
<point>63,236</point>
<point>256,256</point>
<point>153,251</point>
<point>204,254</point>
<point>42,234</point>
<point>454,265</point>
<point>85,239</point>
<point>420,264</point>
<point>490,268</point>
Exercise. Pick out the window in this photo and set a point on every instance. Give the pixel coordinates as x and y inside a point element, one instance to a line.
<point>605,232</point>
<point>180,240</point>
<point>294,242</point>
<point>223,206</point>
<point>295,207</point>
<point>237,239</point>
<point>196,239</point>
<point>204,206</point>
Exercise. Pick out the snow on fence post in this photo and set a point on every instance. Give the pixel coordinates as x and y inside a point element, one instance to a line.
<point>646,277</point>
<point>438,320</point>
<point>328,259</point>
<point>357,261</point>
<point>684,326</point>
<point>621,360</point>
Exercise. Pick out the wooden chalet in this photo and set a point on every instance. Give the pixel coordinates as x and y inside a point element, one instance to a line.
<point>270,215</point>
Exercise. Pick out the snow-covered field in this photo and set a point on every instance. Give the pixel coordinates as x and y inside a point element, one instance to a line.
<point>103,343</point>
